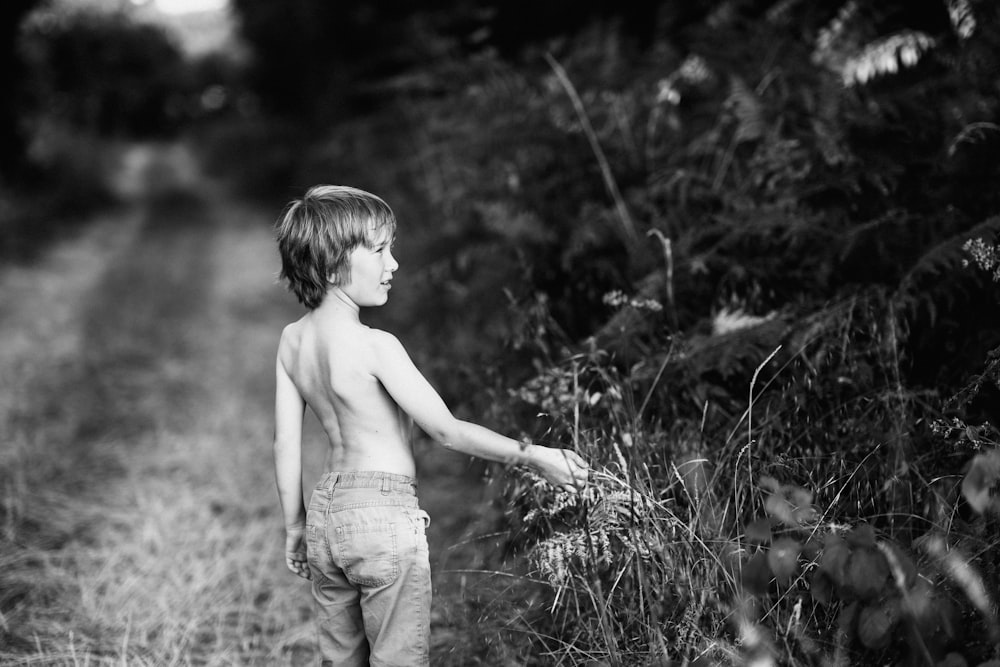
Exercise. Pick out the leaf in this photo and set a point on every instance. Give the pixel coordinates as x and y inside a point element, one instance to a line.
<point>907,567</point>
<point>783,559</point>
<point>921,604</point>
<point>963,20</point>
<point>800,497</point>
<point>777,506</point>
<point>836,553</point>
<point>770,483</point>
<point>933,615</point>
<point>886,56</point>
<point>759,531</point>
<point>867,573</point>
<point>877,622</point>
<point>812,549</point>
<point>821,587</point>
<point>747,109</point>
<point>953,660</point>
<point>787,503</point>
<point>756,574</point>
<point>805,514</point>
<point>846,618</point>
<point>982,483</point>
<point>862,535</point>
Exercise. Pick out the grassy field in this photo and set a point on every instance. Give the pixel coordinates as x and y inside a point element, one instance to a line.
<point>140,524</point>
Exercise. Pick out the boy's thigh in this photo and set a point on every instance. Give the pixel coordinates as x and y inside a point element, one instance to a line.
<point>382,550</point>
<point>397,617</point>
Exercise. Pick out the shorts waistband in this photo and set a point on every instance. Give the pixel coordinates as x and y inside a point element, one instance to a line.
<point>388,482</point>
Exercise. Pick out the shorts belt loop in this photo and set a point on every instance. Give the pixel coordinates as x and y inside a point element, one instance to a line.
<point>333,481</point>
<point>386,486</point>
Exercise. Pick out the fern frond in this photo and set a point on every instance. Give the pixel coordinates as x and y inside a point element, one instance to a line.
<point>972,134</point>
<point>928,277</point>
<point>963,21</point>
<point>886,56</point>
<point>824,53</point>
<point>746,109</point>
<point>830,142</point>
<point>779,11</point>
<point>722,15</point>
<point>866,234</point>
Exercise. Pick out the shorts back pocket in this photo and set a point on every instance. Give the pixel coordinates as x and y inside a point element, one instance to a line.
<point>368,553</point>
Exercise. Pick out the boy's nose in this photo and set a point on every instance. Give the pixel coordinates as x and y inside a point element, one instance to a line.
<point>393,264</point>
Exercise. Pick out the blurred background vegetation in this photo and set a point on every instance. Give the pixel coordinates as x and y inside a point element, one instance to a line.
<point>615,213</point>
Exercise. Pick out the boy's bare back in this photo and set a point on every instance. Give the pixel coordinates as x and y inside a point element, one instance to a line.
<point>331,366</point>
<point>336,250</point>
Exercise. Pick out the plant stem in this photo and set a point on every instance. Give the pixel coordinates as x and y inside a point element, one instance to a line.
<point>609,180</point>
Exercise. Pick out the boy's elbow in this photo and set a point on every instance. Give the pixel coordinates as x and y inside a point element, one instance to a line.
<point>447,435</point>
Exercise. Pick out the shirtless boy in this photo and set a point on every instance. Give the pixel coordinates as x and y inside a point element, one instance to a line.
<point>362,540</point>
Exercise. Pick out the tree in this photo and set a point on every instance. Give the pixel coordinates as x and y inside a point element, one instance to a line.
<point>12,72</point>
<point>104,74</point>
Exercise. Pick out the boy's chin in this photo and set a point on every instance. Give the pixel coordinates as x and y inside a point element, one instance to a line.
<point>375,303</point>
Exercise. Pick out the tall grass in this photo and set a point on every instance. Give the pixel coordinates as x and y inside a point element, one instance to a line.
<point>746,542</point>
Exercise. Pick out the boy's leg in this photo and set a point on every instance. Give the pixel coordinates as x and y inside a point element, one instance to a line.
<point>397,615</point>
<point>339,623</point>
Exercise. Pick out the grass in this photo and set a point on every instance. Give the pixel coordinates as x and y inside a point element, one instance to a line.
<point>138,505</point>
<point>703,549</point>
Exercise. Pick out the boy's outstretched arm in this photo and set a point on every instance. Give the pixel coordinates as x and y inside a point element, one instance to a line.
<point>289,408</point>
<point>415,395</point>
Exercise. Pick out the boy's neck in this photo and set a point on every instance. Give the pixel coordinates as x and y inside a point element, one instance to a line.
<point>338,305</point>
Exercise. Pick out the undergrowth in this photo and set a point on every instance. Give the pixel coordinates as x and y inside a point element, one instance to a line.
<point>753,539</point>
<point>743,292</point>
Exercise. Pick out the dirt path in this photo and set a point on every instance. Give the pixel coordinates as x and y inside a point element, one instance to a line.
<point>140,518</point>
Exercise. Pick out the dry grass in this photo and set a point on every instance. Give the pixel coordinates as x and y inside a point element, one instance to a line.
<point>138,507</point>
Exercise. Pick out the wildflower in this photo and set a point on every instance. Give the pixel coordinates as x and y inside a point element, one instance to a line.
<point>617,298</point>
<point>727,321</point>
<point>986,256</point>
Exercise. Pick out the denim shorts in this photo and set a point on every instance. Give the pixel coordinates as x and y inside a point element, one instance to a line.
<point>367,549</point>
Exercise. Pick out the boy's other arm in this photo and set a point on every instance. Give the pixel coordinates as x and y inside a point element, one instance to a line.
<point>415,395</point>
<point>289,408</point>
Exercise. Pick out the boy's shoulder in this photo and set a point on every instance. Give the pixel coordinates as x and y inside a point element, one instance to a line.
<point>381,341</point>
<point>290,333</point>
<point>291,336</point>
<point>380,345</point>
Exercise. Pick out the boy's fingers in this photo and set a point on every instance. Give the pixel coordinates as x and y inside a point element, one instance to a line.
<point>299,568</point>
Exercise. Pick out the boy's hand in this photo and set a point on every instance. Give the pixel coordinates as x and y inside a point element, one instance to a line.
<point>295,551</point>
<point>563,468</point>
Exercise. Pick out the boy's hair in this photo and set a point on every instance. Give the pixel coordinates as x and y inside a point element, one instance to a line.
<point>317,233</point>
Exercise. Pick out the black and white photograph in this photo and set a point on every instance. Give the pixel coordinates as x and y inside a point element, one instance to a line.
<point>500,333</point>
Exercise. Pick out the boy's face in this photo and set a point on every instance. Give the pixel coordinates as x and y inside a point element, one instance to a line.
<point>371,272</point>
